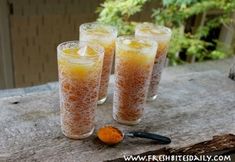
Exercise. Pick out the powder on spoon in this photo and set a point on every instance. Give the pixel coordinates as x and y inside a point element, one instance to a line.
<point>110,135</point>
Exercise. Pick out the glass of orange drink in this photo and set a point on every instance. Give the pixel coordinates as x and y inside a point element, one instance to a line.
<point>79,66</point>
<point>162,35</point>
<point>133,68</point>
<point>105,36</point>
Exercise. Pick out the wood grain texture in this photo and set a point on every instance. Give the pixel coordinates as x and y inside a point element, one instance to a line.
<point>191,108</point>
<point>6,65</point>
<point>36,28</point>
<point>219,145</point>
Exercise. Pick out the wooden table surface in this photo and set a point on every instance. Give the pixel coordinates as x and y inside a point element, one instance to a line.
<point>191,108</point>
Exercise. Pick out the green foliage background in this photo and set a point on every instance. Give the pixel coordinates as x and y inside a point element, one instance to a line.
<point>174,14</point>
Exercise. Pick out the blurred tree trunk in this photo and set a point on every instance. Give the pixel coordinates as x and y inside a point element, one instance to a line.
<point>199,22</point>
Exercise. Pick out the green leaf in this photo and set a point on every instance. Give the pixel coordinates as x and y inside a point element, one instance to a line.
<point>174,14</point>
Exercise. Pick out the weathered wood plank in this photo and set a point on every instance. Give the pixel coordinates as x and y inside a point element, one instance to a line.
<point>6,67</point>
<point>218,145</point>
<point>190,109</point>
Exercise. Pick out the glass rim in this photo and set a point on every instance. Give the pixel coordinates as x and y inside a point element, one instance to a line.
<point>150,41</point>
<point>166,35</point>
<point>96,47</point>
<point>112,30</point>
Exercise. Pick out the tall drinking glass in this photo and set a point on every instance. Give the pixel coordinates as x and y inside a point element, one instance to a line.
<point>104,35</point>
<point>133,67</point>
<point>162,35</point>
<point>79,66</point>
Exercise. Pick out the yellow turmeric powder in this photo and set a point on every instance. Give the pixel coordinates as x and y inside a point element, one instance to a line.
<point>110,135</point>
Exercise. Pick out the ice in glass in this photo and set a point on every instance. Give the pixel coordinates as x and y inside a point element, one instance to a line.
<point>79,66</point>
<point>133,67</point>
<point>104,35</point>
<point>162,35</point>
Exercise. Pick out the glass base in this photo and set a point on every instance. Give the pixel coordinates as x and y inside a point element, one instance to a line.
<point>101,101</point>
<point>152,98</point>
<point>79,136</point>
<point>126,122</point>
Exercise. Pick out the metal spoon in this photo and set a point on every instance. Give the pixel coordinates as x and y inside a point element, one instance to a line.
<point>159,138</point>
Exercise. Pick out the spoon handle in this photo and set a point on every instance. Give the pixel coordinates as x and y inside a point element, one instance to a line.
<point>159,138</point>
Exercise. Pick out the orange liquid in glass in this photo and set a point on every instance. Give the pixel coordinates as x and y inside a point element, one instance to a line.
<point>79,84</point>
<point>158,66</point>
<point>103,35</point>
<point>106,70</point>
<point>132,75</point>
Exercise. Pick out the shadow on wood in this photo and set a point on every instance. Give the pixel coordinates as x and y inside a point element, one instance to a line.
<point>219,145</point>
